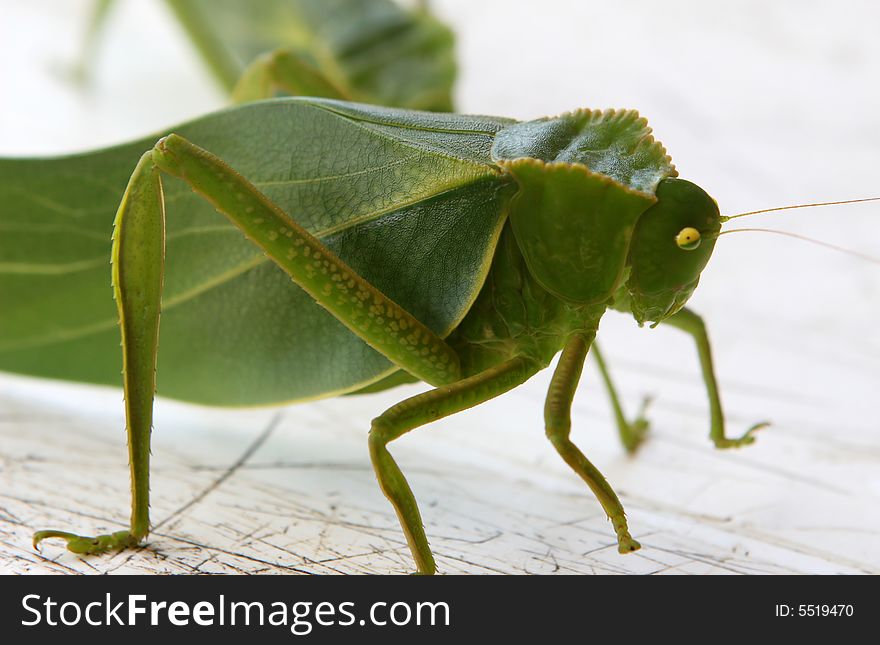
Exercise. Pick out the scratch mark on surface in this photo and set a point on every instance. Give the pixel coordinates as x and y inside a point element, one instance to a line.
<point>251,449</point>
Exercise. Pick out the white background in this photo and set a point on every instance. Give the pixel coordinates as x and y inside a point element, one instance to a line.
<point>762,104</point>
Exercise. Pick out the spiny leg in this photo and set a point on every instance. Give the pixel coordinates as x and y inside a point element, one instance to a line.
<point>419,410</point>
<point>631,434</point>
<point>360,306</point>
<point>690,322</point>
<point>557,420</point>
<point>138,263</point>
<point>138,266</point>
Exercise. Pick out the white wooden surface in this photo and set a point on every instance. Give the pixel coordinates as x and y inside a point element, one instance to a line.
<point>762,104</point>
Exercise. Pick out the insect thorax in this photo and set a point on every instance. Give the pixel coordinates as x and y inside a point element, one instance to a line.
<point>514,315</point>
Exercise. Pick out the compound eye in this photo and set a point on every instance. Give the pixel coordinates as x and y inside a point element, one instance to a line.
<point>688,239</point>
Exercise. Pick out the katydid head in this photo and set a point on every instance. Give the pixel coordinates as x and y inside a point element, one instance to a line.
<point>674,239</point>
<point>671,245</point>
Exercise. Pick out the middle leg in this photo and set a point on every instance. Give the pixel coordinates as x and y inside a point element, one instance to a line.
<point>419,410</point>
<point>557,418</point>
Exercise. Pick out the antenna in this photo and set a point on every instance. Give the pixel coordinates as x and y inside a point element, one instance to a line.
<point>726,218</point>
<point>858,254</point>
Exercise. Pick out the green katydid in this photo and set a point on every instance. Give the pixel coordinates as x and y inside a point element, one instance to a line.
<point>517,239</point>
<point>464,251</point>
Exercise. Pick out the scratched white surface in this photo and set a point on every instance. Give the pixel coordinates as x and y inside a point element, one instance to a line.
<point>762,104</point>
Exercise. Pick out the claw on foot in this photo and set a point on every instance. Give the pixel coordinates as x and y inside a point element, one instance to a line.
<point>625,541</point>
<point>626,544</point>
<point>744,440</point>
<point>85,545</point>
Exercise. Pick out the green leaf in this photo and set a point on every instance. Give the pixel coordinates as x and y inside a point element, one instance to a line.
<point>372,50</point>
<point>410,200</point>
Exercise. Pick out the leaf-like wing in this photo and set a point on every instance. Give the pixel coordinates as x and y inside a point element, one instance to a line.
<point>373,50</point>
<point>411,200</point>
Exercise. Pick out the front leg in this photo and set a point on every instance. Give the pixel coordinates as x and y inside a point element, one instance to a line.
<point>690,322</point>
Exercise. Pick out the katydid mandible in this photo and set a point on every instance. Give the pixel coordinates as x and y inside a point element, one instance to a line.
<point>383,246</point>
